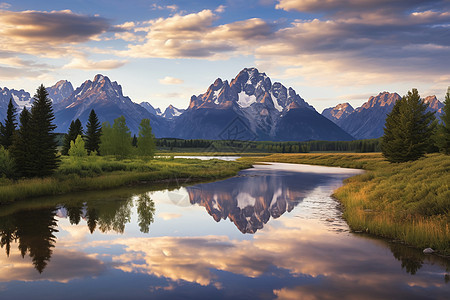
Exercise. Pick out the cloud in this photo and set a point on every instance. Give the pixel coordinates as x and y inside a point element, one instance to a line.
<point>220,9</point>
<point>354,6</point>
<point>56,27</point>
<point>4,5</point>
<point>83,63</point>
<point>194,36</point>
<point>169,216</point>
<point>172,7</point>
<point>170,80</point>
<point>65,265</point>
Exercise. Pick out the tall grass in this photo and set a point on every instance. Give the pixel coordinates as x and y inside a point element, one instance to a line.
<point>409,202</point>
<point>95,173</point>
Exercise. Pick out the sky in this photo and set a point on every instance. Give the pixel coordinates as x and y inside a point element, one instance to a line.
<point>163,52</point>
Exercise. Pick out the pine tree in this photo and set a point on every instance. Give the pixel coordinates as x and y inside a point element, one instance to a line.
<point>21,149</point>
<point>7,130</point>
<point>146,139</point>
<point>134,141</point>
<point>75,129</point>
<point>43,141</point>
<point>443,135</point>
<point>408,129</point>
<point>93,133</point>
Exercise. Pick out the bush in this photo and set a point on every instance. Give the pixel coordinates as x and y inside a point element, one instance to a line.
<point>7,164</point>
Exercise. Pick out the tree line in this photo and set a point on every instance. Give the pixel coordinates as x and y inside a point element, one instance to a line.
<point>28,148</point>
<point>370,145</point>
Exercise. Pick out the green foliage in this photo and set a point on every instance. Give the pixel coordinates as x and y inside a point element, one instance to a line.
<point>77,148</point>
<point>116,140</point>
<point>7,164</point>
<point>134,141</point>
<point>146,139</point>
<point>75,129</point>
<point>93,133</point>
<point>21,149</point>
<point>84,175</point>
<point>43,160</point>
<point>7,130</point>
<point>408,129</point>
<point>443,131</point>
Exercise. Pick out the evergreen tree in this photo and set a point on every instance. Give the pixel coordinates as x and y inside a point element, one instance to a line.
<point>7,130</point>
<point>146,139</point>
<point>43,141</point>
<point>134,141</point>
<point>21,149</point>
<point>75,129</point>
<point>408,129</point>
<point>443,133</point>
<point>93,133</point>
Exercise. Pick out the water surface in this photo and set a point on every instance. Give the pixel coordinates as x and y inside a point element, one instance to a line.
<point>270,232</point>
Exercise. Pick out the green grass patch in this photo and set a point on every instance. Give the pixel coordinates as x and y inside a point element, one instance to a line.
<point>98,173</point>
<point>409,202</point>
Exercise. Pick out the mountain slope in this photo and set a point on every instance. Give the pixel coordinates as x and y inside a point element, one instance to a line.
<point>251,107</point>
<point>108,101</point>
<point>367,121</point>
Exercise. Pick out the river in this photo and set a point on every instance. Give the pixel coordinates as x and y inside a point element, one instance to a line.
<point>271,232</point>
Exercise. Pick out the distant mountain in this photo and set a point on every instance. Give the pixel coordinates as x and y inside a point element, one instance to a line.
<point>367,121</point>
<point>108,101</point>
<point>434,105</point>
<point>251,107</point>
<point>340,111</point>
<point>150,108</point>
<point>60,91</point>
<point>172,112</point>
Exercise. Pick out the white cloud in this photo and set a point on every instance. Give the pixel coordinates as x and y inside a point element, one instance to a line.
<point>220,9</point>
<point>85,64</point>
<point>4,5</point>
<point>170,80</point>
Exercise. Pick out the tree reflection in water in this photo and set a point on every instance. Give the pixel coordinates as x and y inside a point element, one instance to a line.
<point>33,230</point>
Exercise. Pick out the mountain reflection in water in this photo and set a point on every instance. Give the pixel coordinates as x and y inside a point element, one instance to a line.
<point>133,243</point>
<point>249,200</point>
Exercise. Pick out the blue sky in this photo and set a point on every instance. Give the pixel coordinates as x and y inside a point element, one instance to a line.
<point>165,51</point>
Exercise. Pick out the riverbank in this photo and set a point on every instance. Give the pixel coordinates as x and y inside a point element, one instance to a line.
<point>100,173</point>
<point>406,202</point>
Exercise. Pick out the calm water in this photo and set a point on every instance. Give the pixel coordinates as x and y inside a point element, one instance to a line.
<point>271,232</point>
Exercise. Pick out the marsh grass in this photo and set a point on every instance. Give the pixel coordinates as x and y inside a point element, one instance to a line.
<point>409,202</point>
<point>98,173</point>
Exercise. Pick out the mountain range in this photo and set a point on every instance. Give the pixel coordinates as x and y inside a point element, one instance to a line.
<point>248,107</point>
<point>367,121</point>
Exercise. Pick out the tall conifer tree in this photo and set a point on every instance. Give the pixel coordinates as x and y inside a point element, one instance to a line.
<point>443,136</point>
<point>7,131</point>
<point>93,133</point>
<point>43,142</point>
<point>21,149</point>
<point>75,129</point>
<point>408,129</point>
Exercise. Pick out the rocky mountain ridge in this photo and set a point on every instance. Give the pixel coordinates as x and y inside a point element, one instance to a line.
<point>367,121</point>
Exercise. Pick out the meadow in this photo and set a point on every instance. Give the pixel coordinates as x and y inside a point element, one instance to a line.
<point>406,202</point>
<point>100,172</point>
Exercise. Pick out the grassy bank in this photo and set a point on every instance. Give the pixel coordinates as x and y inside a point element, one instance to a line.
<point>408,202</point>
<point>98,173</point>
